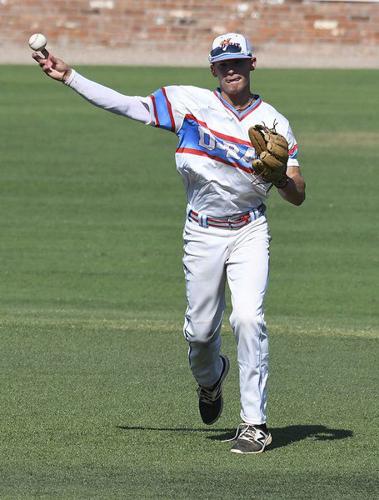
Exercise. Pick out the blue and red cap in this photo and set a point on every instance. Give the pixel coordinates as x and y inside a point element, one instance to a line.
<point>230,46</point>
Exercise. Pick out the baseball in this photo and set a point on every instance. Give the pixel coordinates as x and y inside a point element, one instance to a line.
<point>37,41</point>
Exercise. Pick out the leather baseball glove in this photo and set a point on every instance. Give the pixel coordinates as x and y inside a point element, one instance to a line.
<point>272,154</point>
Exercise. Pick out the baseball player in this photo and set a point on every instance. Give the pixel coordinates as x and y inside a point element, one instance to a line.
<point>227,139</point>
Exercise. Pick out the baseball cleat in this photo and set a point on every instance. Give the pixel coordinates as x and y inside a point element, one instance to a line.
<point>210,398</point>
<point>250,439</point>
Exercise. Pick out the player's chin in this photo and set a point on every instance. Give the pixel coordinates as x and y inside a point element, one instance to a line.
<point>234,87</point>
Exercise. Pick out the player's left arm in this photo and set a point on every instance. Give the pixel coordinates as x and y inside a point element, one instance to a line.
<point>294,191</point>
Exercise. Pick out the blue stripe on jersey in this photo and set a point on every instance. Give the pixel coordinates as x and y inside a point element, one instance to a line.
<point>161,110</point>
<point>194,136</point>
<point>293,152</point>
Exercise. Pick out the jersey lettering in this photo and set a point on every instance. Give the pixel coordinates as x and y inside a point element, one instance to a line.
<point>249,155</point>
<point>232,150</point>
<point>206,140</point>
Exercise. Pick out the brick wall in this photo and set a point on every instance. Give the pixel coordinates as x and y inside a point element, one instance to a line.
<point>174,27</point>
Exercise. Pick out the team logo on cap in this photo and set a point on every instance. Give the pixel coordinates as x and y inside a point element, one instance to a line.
<point>225,44</point>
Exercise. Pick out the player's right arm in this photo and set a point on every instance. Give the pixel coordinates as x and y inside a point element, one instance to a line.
<point>103,97</point>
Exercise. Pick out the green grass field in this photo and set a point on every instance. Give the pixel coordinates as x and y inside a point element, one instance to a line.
<point>96,396</point>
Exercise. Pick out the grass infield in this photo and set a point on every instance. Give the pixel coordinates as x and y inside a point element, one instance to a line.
<point>97,400</point>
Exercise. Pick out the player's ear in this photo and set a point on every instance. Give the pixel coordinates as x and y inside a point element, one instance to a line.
<point>253,63</point>
<point>213,71</point>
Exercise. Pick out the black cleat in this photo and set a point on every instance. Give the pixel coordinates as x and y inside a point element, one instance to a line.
<point>210,398</point>
<point>251,439</point>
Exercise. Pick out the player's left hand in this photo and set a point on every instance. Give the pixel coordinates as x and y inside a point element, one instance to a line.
<point>272,154</point>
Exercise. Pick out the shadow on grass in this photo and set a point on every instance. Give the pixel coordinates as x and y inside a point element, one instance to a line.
<point>282,436</point>
<point>170,429</point>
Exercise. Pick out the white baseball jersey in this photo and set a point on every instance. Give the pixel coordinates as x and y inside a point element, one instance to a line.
<point>214,153</point>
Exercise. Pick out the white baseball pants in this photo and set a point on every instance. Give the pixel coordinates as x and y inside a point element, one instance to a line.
<point>212,256</point>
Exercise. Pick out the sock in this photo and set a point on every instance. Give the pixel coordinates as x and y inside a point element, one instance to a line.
<point>262,427</point>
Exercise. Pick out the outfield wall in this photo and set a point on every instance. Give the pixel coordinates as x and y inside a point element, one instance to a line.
<point>284,32</point>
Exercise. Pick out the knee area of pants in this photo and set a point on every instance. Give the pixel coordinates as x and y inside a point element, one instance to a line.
<point>200,333</point>
<point>247,319</point>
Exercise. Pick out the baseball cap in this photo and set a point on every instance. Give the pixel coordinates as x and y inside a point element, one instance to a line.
<point>230,46</point>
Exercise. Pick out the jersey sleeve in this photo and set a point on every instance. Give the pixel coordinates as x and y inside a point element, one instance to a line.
<point>133,107</point>
<point>167,108</point>
<point>292,149</point>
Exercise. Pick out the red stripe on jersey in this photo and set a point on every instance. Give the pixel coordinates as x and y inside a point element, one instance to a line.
<point>219,134</point>
<point>213,157</point>
<point>293,149</point>
<point>155,111</point>
<point>169,109</point>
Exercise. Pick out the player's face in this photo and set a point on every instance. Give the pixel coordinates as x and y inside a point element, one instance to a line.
<point>233,74</point>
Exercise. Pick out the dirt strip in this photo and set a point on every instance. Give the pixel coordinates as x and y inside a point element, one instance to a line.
<point>268,56</point>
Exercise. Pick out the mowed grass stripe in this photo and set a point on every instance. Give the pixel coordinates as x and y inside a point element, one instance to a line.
<point>281,326</point>
<point>323,140</point>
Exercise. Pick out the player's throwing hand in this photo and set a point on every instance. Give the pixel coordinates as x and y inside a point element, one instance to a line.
<point>53,67</point>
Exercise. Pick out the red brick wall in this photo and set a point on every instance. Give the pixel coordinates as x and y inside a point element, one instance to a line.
<point>162,24</point>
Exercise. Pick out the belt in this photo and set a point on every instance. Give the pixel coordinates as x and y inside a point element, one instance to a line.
<point>231,222</point>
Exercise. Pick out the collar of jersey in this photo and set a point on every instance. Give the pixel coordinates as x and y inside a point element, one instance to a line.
<point>237,113</point>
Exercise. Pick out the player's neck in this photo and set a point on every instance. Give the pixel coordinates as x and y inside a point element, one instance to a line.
<point>239,101</point>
